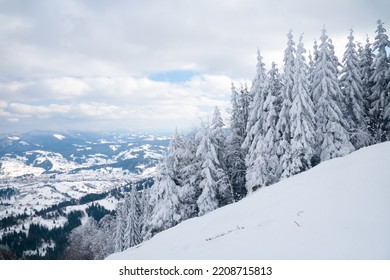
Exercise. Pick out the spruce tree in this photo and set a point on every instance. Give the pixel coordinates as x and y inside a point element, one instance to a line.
<point>379,109</point>
<point>215,185</point>
<point>189,177</point>
<point>164,200</point>
<point>302,116</point>
<point>255,111</point>
<point>268,164</point>
<point>235,156</point>
<point>352,89</point>
<point>133,230</point>
<point>331,127</point>
<point>207,201</point>
<point>283,125</point>
<point>224,189</point>
<point>146,209</point>
<point>119,235</point>
<point>366,58</point>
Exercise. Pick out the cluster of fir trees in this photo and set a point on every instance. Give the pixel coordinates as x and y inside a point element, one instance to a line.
<point>316,111</point>
<point>287,123</point>
<point>191,180</point>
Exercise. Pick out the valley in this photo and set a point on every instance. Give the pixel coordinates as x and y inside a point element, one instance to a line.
<point>46,175</point>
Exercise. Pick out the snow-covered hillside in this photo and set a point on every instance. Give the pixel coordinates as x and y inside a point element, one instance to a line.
<point>338,210</point>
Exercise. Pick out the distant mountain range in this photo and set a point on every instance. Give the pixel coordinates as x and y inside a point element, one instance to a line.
<point>52,152</point>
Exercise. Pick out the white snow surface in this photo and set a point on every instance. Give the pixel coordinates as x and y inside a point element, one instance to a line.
<point>337,210</point>
<point>59,136</point>
<point>13,138</point>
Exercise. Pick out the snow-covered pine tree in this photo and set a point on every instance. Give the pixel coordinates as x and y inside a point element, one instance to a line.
<point>189,177</point>
<point>163,200</point>
<point>255,111</point>
<point>379,109</point>
<point>215,187</point>
<point>335,60</point>
<point>267,163</point>
<point>366,57</point>
<point>119,235</point>
<point>312,65</point>
<point>224,188</point>
<point>351,87</point>
<point>263,166</point>
<point>245,100</point>
<point>301,116</point>
<point>133,230</point>
<point>207,201</point>
<point>146,209</point>
<point>331,127</point>
<point>283,125</point>
<point>310,74</point>
<point>235,156</point>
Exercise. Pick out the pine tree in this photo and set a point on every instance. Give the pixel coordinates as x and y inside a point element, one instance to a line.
<point>224,189</point>
<point>301,116</point>
<point>146,209</point>
<point>351,86</point>
<point>235,154</point>
<point>310,74</point>
<point>312,65</point>
<point>133,230</point>
<point>189,177</point>
<point>255,111</point>
<point>284,123</point>
<point>215,186</point>
<point>207,201</point>
<point>164,201</point>
<point>119,236</point>
<point>366,58</point>
<point>379,109</point>
<point>331,128</point>
<point>267,163</point>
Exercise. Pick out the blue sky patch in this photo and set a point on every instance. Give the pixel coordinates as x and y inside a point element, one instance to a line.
<point>174,76</point>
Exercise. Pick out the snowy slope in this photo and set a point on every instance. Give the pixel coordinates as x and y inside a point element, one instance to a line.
<point>337,210</point>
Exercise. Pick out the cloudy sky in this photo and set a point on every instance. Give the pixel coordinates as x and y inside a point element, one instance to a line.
<point>150,65</point>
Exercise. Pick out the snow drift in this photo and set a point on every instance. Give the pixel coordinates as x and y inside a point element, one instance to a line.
<point>338,210</point>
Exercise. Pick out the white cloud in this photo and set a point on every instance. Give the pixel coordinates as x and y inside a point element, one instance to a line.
<point>77,62</point>
<point>27,110</point>
<point>127,102</point>
<point>67,87</point>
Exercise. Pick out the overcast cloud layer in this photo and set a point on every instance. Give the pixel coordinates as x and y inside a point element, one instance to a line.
<point>90,64</point>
